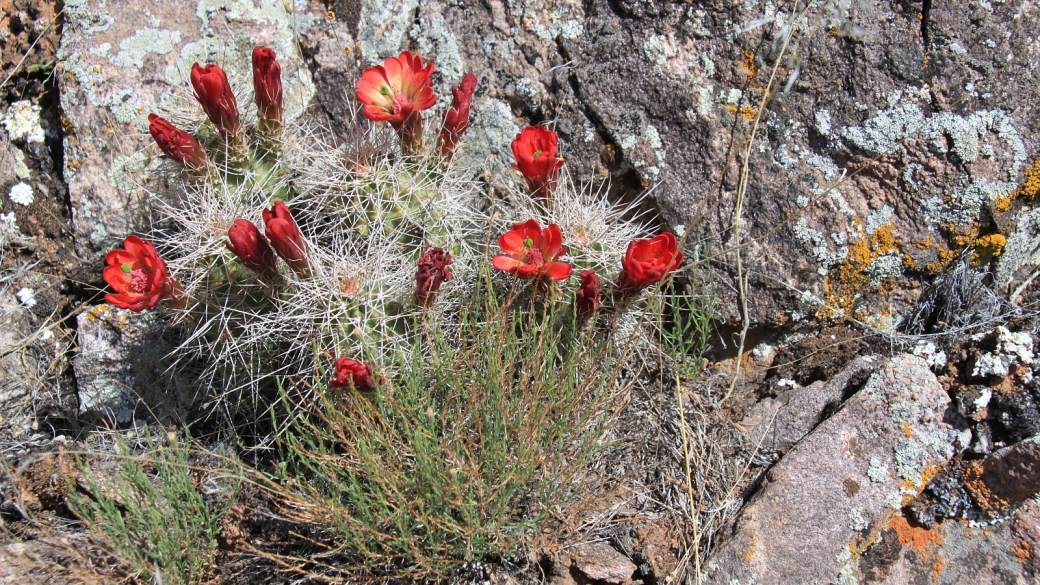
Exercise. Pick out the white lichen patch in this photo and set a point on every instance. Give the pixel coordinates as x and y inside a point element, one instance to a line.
<point>859,518</point>
<point>21,170</point>
<point>27,297</point>
<point>816,244</point>
<point>22,122</point>
<point>882,132</point>
<point>133,49</point>
<point>1012,349</point>
<point>654,50</point>
<point>435,38</point>
<point>22,194</point>
<point>8,228</point>
<point>934,357</point>
<point>877,471</point>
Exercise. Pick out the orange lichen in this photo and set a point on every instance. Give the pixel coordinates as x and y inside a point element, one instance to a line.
<point>907,431</point>
<point>990,245</point>
<point>919,539</point>
<point>1031,187</point>
<point>843,284</point>
<point>922,542</point>
<point>747,66</point>
<point>746,555</point>
<point>984,497</point>
<point>1002,203</point>
<point>746,113</point>
<point>1022,551</point>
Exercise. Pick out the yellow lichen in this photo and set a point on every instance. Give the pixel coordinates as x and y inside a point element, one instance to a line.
<point>990,245</point>
<point>747,66</point>
<point>1031,188</point>
<point>1002,203</point>
<point>842,285</point>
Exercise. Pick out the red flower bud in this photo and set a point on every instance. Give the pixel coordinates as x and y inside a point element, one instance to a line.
<point>588,296</point>
<point>285,236</point>
<point>532,251</point>
<point>176,143</point>
<point>214,93</point>
<point>648,261</point>
<point>433,270</point>
<point>536,158</point>
<point>353,374</point>
<point>396,92</point>
<point>139,276</point>
<point>252,248</point>
<point>456,119</point>
<point>267,85</point>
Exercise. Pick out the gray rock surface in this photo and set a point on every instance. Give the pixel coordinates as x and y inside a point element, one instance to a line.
<point>777,424</point>
<point>120,370</point>
<point>953,553</point>
<point>123,59</point>
<point>841,483</point>
<point>658,94</point>
<point>1005,478</point>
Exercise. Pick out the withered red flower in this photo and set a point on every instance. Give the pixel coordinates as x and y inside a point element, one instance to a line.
<point>353,374</point>
<point>396,92</point>
<point>267,86</point>
<point>214,93</point>
<point>648,261</point>
<point>535,149</point>
<point>532,251</point>
<point>589,295</point>
<point>251,247</point>
<point>432,272</point>
<point>139,276</point>
<point>177,144</point>
<point>456,119</point>
<point>285,236</point>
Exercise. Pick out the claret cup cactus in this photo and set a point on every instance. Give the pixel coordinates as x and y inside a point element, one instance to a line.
<point>289,257</point>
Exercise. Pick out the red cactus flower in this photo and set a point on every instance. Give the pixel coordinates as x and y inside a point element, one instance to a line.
<point>396,92</point>
<point>214,93</point>
<point>176,143</point>
<point>267,86</point>
<point>532,251</point>
<point>456,119</point>
<point>648,261</point>
<point>432,272</point>
<point>139,276</point>
<point>536,159</point>
<point>353,374</point>
<point>285,236</point>
<point>252,248</point>
<point>588,296</point>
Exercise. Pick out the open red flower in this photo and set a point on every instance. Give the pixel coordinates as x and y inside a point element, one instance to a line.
<point>251,247</point>
<point>285,236</point>
<point>267,86</point>
<point>432,272</point>
<point>139,276</point>
<point>537,159</point>
<point>456,119</point>
<point>177,144</point>
<point>648,261</point>
<point>588,296</point>
<point>396,92</point>
<point>214,93</point>
<point>532,251</point>
<point>353,374</point>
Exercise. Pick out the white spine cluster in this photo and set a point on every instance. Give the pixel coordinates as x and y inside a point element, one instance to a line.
<point>367,213</point>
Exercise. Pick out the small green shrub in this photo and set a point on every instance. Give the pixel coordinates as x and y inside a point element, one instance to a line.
<point>684,318</point>
<point>463,453</point>
<point>151,515</point>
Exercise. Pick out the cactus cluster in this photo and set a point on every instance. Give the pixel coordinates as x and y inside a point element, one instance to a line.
<point>361,240</point>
